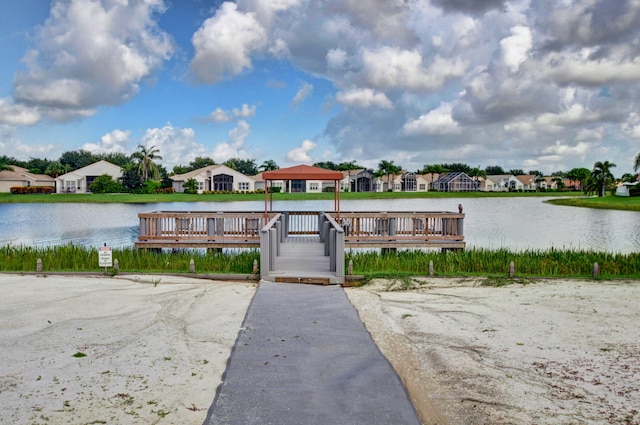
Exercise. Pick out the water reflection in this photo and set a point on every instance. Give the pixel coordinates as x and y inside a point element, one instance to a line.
<point>514,223</point>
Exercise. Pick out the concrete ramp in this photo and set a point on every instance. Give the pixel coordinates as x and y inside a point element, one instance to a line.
<point>304,357</point>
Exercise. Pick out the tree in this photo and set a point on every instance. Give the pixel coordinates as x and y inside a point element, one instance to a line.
<point>201,162</point>
<point>388,168</point>
<point>131,179</point>
<point>55,169</point>
<point>5,167</point>
<point>494,170</point>
<point>537,173</point>
<point>269,165</point>
<point>247,167</point>
<point>146,165</point>
<point>601,178</point>
<point>37,165</point>
<point>117,158</point>
<point>517,172</point>
<point>105,184</point>
<point>190,186</point>
<point>349,167</point>
<point>579,175</point>
<point>77,159</point>
<point>559,181</point>
<point>636,164</point>
<point>327,165</point>
<point>476,173</point>
<point>457,167</point>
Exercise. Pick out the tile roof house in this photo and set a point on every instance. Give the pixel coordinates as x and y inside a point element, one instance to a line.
<point>80,180</point>
<point>215,178</point>
<point>455,182</point>
<point>22,177</point>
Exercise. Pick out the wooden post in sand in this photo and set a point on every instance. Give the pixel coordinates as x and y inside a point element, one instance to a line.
<point>512,269</point>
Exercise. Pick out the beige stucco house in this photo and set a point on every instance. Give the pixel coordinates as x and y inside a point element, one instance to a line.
<point>215,178</point>
<point>79,181</point>
<point>21,177</point>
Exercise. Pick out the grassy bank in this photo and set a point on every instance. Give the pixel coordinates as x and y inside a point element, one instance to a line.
<point>476,262</point>
<point>70,258</point>
<point>483,262</point>
<point>606,202</point>
<point>127,198</point>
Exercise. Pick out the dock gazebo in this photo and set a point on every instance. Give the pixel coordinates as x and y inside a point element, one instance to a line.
<point>301,172</point>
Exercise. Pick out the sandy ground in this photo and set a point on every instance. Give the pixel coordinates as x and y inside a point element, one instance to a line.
<point>548,352</point>
<point>156,348</point>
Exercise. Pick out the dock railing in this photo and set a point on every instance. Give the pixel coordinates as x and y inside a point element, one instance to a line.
<point>333,237</point>
<point>200,229</point>
<point>271,236</point>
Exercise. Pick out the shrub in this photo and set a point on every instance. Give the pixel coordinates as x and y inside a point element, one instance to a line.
<point>106,184</point>
<point>31,190</point>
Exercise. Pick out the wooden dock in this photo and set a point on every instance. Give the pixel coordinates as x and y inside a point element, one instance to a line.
<point>304,247</point>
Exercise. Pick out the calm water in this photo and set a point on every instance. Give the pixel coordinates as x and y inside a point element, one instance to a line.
<point>515,223</point>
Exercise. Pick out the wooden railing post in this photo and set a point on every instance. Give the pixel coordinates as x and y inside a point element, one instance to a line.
<point>143,227</point>
<point>461,226</point>
<point>273,247</point>
<point>339,254</point>
<point>332,250</point>
<point>265,254</point>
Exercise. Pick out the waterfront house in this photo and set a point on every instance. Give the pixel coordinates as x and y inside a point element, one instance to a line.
<point>215,178</point>
<point>80,180</point>
<point>501,183</point>
<point>21,177</point>
<point>528,182</point>
<point>455,182</point>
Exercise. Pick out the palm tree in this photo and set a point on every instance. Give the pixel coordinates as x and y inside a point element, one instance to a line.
<point>269,165</point>
<point>349,167</point>
<point>636,165</point>
<point>55,169</point>
<point>146,165</point>
<point>388,168</point>
<point>5,167</point>
<point>601,177</point>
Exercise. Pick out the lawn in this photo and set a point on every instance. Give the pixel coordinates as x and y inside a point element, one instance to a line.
<point>7,198</point>
<point>606,202</point>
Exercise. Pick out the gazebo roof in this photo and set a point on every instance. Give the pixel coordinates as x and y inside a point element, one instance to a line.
<point>302,172</point>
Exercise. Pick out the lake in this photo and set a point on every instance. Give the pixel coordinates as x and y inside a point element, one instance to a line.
<point>513,223</point>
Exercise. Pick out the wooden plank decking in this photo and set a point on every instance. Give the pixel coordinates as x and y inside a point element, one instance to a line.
<point>302,260</point>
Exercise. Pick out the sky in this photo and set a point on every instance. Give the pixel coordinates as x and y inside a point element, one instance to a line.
<point>532,85</point>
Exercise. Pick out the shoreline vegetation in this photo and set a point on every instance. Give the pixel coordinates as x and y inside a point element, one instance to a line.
<point>400,265</point>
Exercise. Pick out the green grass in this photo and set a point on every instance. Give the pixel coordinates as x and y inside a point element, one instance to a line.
<point>606,202</point>
<point>484,262</point>
<point>399,265</point>
<point>71,258</point>
<point>127,198</point>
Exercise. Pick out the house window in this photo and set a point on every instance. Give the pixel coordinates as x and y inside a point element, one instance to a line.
<point>423,186</point>
<point>314,187</point>
<point>200,185</point>
<point>297,185</point>
<point>243,185</point>
<point>223,182</point>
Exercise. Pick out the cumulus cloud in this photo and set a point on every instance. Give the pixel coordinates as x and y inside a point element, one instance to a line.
<point>220,115</point>
<point>436,122</point>
<point>235,147</point>
<point>515,48</point>
<point>302,94</point>
<point>13,114</point>
<point>114,142</point>
<point>176,145</point>
<point>224,44</point>
<point>364,98</point>
<point>301,154</point>
<point>89,54</point>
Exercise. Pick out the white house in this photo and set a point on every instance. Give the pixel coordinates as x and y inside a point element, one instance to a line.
<point>215,178</point>
<point>528,182</point>
<point>22,177</point>
<point>501,183</point>
<point>623,188</point>
<point>79,181</point>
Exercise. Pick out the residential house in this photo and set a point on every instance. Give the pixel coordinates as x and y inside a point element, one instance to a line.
<point>528,182</point>
<point>501,183</point>
<point>22,177</point>
<point>215,178</point>
<point>425,181</point>
<point>623,188</point>
<point>455,182</point>
<point>80,180</point>
<point>360,180</point>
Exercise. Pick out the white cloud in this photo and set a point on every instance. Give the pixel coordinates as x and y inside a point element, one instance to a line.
<point>17,114</point>
<point>515,48</point>
<point>303,93</point>
<point>113,142</point>
<point>561,149</point>
<point>235,148</point>
<point>364,98</point>
<point>436,122</point>
<point>301,154</point>
<point>89,54</point>
<point>220,115</point>
<point>336,59</point>
<point>390,67</point>
<point>176,145</point>
<point>224,44</point>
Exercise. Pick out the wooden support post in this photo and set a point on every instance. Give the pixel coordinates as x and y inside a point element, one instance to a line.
<point>431,268</point>
<point>596,270</point>
<point>350,268</point>
<point>255,266</point>
<point>116,266</point>
<point>192,266</point>
<point>512,269</point>
<point>39,265</point>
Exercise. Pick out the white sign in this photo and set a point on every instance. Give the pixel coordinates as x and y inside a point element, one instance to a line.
<point>105,257</point>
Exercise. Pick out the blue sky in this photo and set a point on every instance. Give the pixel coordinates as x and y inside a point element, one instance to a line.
<point>484,82</point>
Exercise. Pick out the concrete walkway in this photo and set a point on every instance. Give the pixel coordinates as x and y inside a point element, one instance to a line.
<point>304,357</point>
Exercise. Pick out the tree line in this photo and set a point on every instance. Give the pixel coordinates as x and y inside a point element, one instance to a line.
<point>142,171</point>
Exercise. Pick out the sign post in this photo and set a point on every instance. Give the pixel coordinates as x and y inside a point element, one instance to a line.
<point>105,257</point>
